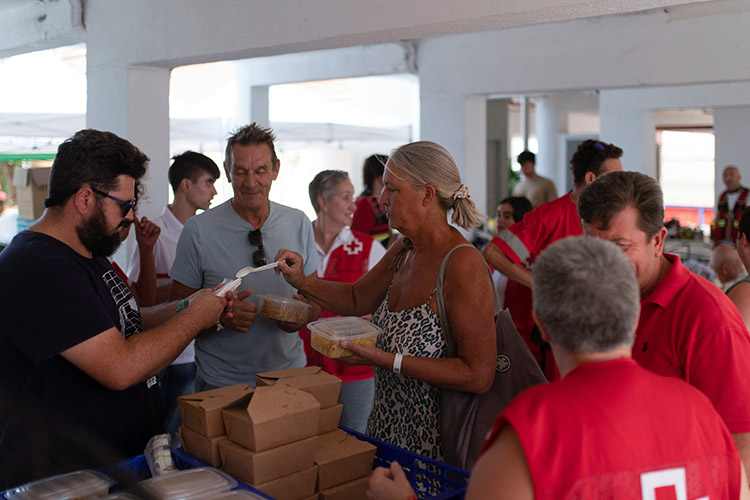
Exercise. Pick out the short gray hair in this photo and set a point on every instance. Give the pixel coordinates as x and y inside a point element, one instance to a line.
<point>324,186</point>
<point>425,162</point>
<point>586,295</point>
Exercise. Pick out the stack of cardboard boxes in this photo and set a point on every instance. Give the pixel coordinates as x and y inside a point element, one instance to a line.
<point>202,425</point>
<point>282,437</point>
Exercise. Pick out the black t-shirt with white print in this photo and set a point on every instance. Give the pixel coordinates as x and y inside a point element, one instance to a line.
<point>53,417</point>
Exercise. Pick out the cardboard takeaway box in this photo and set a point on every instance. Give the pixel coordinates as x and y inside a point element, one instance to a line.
<point>264,466</point>
<point>277,415</point>
<point>329,419</point>
<point>31,190</point>
<point>201,412</point>
<point>353,490</point>
<point>295,486</point>
<point>324,386</point>
<point>342,458</point>
<point>206,449</point>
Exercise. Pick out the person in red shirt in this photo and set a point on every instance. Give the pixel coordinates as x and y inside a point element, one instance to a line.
<point>687,328</point>
<point>369,216</point>
<point>609,428</point>
<point>515,249</point>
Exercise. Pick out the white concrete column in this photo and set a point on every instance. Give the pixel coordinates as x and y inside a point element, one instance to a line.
<point>496,153</point>
<point>148,128</point>
<point>475,171</point>
<point>550,123</point>
<point>134,103</point>
<point>259,105</point>
<point>732,147</point>
<point>634,130</point>
<point>459,124</point>
<point>443,120</point>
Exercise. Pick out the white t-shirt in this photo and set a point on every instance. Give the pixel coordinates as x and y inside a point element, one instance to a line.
<point>164,253</point>
<point>732,199</point>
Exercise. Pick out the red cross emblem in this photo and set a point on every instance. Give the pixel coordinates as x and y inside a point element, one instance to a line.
<point>353,247</point>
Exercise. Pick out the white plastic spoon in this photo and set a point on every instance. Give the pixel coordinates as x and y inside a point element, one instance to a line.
<point>247,270</point>
<point>235,283</point>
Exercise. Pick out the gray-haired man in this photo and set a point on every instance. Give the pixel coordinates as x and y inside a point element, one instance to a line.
<point>688,328</point>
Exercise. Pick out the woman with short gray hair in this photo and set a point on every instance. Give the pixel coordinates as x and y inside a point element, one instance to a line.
<point>432,266</point>
<point>345,255</point>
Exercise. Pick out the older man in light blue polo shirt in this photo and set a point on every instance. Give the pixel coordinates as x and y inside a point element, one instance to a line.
<point>247,230</point>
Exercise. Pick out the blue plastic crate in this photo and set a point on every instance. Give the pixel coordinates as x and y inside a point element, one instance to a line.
<point>430,479</point>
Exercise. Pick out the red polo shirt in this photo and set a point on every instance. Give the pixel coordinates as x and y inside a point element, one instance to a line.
<point>689,329</point>
<point>522,243</point>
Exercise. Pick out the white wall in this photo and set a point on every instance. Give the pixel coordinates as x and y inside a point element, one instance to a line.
<point>731,126</point>
<point>563,48</point>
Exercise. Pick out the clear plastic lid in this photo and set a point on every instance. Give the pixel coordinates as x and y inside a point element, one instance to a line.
<point>188,483</point>
<point>346,328</point>
<point>233,495</point>
<point>282,308</point>
<point>120,495</point>
<point>73,485</point>
<point>284,301</point>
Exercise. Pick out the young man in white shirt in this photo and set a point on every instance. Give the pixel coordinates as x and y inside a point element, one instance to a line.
<point>192,177</point>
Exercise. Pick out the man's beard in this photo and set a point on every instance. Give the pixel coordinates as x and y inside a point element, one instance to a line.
<point>93,235</point>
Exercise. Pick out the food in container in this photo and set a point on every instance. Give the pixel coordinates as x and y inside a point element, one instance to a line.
<point>186,484</point>
<point>326,335</point>
<point>283,308</point>
<point>78,485</point>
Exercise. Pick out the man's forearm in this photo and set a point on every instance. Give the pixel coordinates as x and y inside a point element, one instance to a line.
<point>503,264</point>
<point>156,315</point>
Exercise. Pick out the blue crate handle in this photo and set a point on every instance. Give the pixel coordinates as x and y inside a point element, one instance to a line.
<point>424,473</point>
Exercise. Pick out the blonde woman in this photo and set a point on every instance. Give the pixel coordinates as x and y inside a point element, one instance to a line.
<point>422,185</point>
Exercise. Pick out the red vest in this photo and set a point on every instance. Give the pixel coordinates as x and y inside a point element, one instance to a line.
<point>615,430</point>
<point>724,226</point>
<point>347,264</point>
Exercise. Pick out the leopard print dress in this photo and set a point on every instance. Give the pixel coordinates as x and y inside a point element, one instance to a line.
<point>406,411</point>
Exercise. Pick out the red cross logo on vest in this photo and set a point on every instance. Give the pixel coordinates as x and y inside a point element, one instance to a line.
<point>353,247</point>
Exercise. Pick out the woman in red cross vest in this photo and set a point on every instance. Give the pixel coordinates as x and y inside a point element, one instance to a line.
<point>345,256</point>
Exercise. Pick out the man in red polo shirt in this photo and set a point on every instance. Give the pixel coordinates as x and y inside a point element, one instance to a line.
<point>515,249</point>
<point>687,328</point>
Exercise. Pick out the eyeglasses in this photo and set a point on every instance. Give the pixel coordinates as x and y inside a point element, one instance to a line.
<point>256,240</point>
<point>125,206</point>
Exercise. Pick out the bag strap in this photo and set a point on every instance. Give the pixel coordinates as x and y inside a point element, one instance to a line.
<point>442,313</point>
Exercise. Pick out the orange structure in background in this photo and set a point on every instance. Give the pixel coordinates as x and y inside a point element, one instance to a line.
<point>690,216</point>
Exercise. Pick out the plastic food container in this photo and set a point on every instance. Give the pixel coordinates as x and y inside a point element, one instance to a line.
<point>325,335</point>
<point>78,485</point>
<point>282,308</point>
<point>121,495</point>
<point>234,495</point>
<point>187,484</point>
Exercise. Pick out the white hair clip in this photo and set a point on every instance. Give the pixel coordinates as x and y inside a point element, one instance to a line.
<point>461,192</point>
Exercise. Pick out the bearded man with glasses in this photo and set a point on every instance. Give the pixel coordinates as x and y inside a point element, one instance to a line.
<point>77,355</point>
<point>247,230</point>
